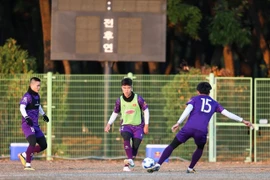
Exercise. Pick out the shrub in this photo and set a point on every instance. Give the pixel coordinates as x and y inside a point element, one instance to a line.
<point>14,60</point>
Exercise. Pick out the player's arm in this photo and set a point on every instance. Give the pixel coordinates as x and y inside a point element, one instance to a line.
<point>40,110</point>
<point>113,115</point>
<point>45,117</point>
<point>23,105</point>
<point>146,120</point>
<point>183,116</point>
<point>144,107</point>
<point>236,118</point>
<point>28,120</point>
<point>23,111</point>
<point>111,121</point>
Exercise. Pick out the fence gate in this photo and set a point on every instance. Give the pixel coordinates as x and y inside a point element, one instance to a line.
<point>261,119</point>
<point>230,140</point>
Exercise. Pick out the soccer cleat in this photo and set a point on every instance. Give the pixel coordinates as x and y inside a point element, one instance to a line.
<point>126,168</point>
<point>22,159</point>
<point>154,168</point>
<point>189,170</point>
<point>29,168</point>
<point>129,162</point>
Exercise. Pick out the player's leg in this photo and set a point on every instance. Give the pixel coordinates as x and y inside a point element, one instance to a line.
<point>41,140</point>
<point>195,158</point>
<point>128,149</point>
<point>181,137</point>
<point>42,144</point>
<point>200,141</point>
<point>137,139</point>
<point>28,133</point>
<point>166,154</point>
<point>30,151</point>
<point>168,150</point>
<point>135,146</point>
<point>127,137</point>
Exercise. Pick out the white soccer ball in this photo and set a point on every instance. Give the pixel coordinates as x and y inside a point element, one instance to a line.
<point>148,162</point>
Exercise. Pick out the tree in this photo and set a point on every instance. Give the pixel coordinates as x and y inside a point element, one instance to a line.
<point>14,60</point>
<point>225,29</point>
<point>183,19</point>
<point>188,16</point>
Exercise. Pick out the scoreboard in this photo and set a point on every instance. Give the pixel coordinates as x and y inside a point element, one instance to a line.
<point>109,30</point>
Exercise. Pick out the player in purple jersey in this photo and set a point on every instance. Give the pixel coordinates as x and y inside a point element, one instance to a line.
<point>30,109</point>
<point>135,119</point>
<point>200,110</point>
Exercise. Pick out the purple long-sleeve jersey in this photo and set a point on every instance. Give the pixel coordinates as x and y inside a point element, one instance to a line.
<point>32,103</point>
<point>203,109</point>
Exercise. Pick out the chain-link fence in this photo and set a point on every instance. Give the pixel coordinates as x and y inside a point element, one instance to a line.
<point>80,105</point>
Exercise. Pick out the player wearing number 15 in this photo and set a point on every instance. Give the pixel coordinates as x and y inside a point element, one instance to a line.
<point>200,109</point>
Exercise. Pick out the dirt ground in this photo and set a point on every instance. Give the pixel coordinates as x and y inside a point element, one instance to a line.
<point>112,169</point>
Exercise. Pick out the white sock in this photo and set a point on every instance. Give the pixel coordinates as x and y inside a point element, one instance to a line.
<point>24,154</point>
<point>28,164</point>
<point>190,169</point>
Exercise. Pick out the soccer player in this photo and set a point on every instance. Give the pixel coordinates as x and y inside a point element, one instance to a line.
<point>135,120</point>
<point>30,109</point>
<point>200,109</point>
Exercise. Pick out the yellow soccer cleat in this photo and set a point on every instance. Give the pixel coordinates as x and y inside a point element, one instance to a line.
<point>29,168</point>
<point>22,159</point>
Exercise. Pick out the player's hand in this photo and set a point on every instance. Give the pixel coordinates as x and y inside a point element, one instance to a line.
<point>146,129</point>
<point>45,118</point>
<point>248,124</point>
<point>107,128</point>
<point>175,127</point>
<point>28,121</point>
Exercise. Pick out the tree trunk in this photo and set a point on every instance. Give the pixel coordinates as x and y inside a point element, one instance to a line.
<point>263,44</point>
<point>198,55</point>
<point>170,48</point>
<point>198,50</point>
<point>46,29</point>
<point>198,61</point>
<point>138,67</point>
<point>115,68</point>
<point>66,66</point>
<point>228,59</point>
<point>153,67</point>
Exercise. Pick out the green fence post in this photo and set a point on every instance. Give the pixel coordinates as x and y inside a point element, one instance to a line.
<point>107,77</point>
<point>212,128</point>
<point>49,114</point>
<point>249,158</point>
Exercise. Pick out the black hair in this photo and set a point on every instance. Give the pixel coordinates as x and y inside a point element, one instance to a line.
<point>126,82</point>
<point>204,87</point>
<point>35,79</point>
